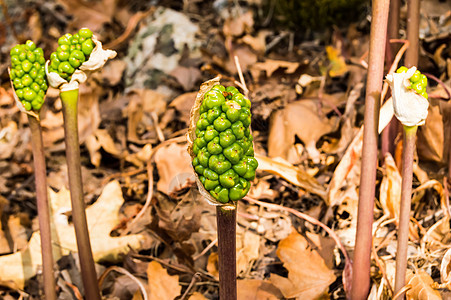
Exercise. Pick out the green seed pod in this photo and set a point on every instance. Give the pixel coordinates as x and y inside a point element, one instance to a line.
<point>72,52</point>
<point>27,75</point>
<point>225,165</point>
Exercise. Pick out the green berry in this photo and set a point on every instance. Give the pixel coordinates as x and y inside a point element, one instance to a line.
<point>415,77</point>
<point>23,55</point>
<point>222,123</point>
<point>219,163</point>
<point>30,45</point>
<point>214,147</point>
<point>19,93</point>
<point>210,133</point>
<point>226,138</point>
<point>65,67</point>
<point>210,184</point>
<point>219,88</point>
<point>27,80</point>
<point>210,174</point>
<point>87,47</point>
<point>63,55</point>
<point>29,94</point>
<point>17,83</point>
<point>229,179</point>
<point>16,50</point>
<point>85,33</point>
<point>417,87</point>
<point>402,69</point>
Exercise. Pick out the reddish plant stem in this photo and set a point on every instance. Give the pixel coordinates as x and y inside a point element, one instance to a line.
<point>404,213</point>
<point>226,221</point>
<point>392,30</point>
<point>391,131</point>
<point>43,207</point>
<point>69,100</point>
<point>362,254</point>
<point>413,32</point>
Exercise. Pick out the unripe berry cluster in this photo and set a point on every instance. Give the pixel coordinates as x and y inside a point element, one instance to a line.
<point>224,154</point>
<point>418,81</point>
<point>28,75</point>
<point>73,50</point>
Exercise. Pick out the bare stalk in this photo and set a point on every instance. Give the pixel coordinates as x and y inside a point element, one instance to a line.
<point>89,277</point>
<point>362,254</point>
<point>413,32</point>
<point>390,132</point>
<point>43,207</point>
<point>404,214</point>
<point>226,220</point>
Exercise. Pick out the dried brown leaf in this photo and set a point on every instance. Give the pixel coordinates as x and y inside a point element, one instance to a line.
<point>107,142</point>
<point>102,216</point>
<point>299,119</point>
<point>174,168</point>
<point>161,284</point>
<point>430,143</point>
<point>258,43</point>
<point>390,190</point>
<point>236,26</point>
<point>186,76</point>
<point>113,70</point>
<point>92,15</point>
<point>247,249</point>
<point>421,286</point>
<point>445,269</point>
<point>269,66</point>
<point>254,289</point>
<point>308,275</point>
<point>438,236</point>
<point>292,174</point>
<point>197,296</point>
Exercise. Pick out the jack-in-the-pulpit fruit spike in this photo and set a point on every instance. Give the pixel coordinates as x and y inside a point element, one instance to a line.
<point>222,151</point>
<point>418,81</point>
<point>72,51</point>
<point>27,74</point>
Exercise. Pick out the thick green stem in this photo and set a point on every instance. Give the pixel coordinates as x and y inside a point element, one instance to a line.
<point>43,208</point>
<point>226,219</point>
<point>89,277</point>
<point>404,213</point>
<point>362,254</point>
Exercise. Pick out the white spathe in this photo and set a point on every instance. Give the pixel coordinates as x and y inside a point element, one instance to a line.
<point>410,108</point>
<point>97,60</point>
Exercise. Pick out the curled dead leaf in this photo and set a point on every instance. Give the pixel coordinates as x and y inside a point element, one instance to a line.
<point>161,284</point>
<point>254,289</point>
<point>421,284</point>
<point>292,174</point>
<point>308,275</point>
<point>102,216</point>
<point>390,191</point>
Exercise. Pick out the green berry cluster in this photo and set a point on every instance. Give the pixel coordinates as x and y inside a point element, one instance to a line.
<point>73,50</point>
<point>28,74</point>
<point>224,154</point>
<point>418,81</point>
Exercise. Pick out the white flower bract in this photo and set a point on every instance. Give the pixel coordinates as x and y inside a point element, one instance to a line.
<point>97,60</point>
<point>410,108</point>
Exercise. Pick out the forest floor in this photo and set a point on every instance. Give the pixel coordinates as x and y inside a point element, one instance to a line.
<point>153,235</point>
